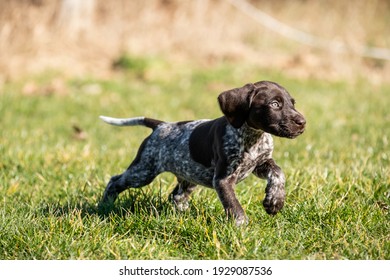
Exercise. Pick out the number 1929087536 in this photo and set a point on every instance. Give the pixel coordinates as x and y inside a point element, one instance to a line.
<point>244,270</point>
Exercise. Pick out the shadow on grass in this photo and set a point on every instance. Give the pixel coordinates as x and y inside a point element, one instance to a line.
<point>133,202</point>
<point>136,202</point>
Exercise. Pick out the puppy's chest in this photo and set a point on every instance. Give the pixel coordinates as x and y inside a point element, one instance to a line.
<point>245,149</point>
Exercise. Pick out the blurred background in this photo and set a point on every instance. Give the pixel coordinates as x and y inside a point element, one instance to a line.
<point>323,39</point>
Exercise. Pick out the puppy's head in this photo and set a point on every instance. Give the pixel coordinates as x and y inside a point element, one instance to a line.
<point>263,105</point>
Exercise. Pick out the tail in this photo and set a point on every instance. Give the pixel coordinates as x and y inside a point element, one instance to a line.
<point>151,123</point>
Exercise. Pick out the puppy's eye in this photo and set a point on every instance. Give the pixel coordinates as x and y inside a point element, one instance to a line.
<point>275,104</point>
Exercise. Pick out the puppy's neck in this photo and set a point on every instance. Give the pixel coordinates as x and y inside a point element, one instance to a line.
<point>250,135</point>
<point>247,129</point>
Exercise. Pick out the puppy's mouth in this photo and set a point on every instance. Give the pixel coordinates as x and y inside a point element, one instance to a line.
<point>286,131</point>
<point>296,133</point>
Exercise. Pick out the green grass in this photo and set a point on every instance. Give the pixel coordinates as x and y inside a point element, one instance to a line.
<point>338,182</point>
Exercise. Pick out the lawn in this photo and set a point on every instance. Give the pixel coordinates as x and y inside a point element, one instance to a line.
<point>57,156</point>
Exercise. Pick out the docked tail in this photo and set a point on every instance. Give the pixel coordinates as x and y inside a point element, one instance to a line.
<point>151,123</point>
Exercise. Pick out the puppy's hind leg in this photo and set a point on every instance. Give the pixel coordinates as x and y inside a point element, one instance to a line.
<point>181,194</point>
<point>135,176</point>
<point>141,172</point>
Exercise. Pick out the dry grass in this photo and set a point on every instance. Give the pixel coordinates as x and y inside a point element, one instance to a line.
<point>39,34</point>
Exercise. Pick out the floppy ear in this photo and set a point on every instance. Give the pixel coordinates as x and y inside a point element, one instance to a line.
<point>235,104</point>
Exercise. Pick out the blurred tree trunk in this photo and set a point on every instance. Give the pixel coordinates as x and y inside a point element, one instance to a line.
<point>76,16</point>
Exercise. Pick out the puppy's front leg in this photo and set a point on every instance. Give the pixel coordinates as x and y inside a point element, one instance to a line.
<point>274,192</point>
<point>225,190</point>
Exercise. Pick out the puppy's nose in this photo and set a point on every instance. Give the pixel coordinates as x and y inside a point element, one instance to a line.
<point>300,121</point>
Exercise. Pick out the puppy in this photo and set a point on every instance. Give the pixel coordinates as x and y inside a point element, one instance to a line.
<point>217,153</point>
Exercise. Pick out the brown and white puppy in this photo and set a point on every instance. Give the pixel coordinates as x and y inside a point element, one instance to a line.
<point>217,153</point>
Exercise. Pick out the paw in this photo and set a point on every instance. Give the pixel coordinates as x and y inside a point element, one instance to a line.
<point>180,202</point>
<point>273,205</point>
<point>237,216</point>
<point>181,206</point>
<point>106,204</point>
<point>110,193</point>
<point>241,221</point>
<point>109,197</point>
